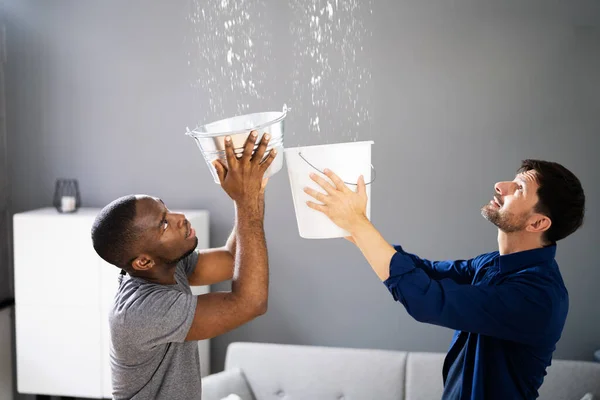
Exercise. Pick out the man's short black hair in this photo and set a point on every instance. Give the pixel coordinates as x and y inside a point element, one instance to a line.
<point>113,233</point>
<point>561,198</point>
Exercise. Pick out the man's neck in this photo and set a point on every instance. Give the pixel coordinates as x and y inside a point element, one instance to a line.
<point>164,275</point>
<point>515,242</point>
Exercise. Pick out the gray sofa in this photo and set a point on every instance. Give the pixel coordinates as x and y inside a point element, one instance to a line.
<point>258,371</point>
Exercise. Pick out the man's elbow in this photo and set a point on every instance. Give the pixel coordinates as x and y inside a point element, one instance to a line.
<point>256,308</point>
<point>260,308</point>
<point>419,317</point>
<point>422,314</point>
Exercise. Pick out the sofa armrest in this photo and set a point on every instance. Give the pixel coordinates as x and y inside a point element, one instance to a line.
<point>220,385</point>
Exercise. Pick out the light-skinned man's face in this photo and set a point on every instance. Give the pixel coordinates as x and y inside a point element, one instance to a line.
<point>512,207</point>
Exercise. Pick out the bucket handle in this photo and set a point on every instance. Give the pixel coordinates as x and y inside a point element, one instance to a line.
<point>347,183</point>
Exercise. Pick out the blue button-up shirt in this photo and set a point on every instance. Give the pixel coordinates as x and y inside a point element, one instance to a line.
<point>508,312</point>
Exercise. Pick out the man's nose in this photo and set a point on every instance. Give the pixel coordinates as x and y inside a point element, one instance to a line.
<point>180,220</point>
<point>503,188</point>
<point>498,188</point>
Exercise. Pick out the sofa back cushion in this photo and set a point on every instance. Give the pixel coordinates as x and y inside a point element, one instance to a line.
<point>568,379</point>
<point>276,371</point>
<point>424,376</point>
<point>565,379</point>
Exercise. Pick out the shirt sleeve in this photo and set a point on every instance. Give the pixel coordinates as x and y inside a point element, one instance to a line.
<point>518,309</point>
<point>460,271</point>
<point>159,316</point>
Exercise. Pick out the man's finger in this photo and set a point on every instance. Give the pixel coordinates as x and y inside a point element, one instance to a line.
<point>317,207</point>
<point>317,195</point>
<point>361,187</point>
<point>220,170</point>
<point>323,183</point>
<point>249,147</point>
<point>262,147</point>
<point>339,184</point>
<point>223,163</point>
<point>229,154</point>
<point>268,160</point>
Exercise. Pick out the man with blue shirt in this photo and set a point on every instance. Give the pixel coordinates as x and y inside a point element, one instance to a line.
<point>508,307</point>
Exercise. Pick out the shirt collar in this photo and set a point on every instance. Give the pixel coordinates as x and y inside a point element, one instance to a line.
<point>522,259</point>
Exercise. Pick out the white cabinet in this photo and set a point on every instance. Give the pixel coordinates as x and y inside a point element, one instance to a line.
<point>63,294</point>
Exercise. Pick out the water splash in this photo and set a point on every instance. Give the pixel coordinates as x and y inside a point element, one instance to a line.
<point>231,49</point>
<point>332,67</point>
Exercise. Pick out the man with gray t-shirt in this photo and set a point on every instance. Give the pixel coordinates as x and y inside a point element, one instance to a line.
<point>156,321</point>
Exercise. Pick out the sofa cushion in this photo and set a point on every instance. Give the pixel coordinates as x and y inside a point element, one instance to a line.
<point>309,372</point>
<point>225,384</point>
<point>568,379</point>
<point>565,379</point>
<point>424,376</point>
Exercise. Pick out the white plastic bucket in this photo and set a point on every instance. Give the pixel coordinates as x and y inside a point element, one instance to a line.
<point>347,160</point>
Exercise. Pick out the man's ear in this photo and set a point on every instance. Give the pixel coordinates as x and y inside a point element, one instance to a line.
<point>143,262</point>
<point>538,223</point>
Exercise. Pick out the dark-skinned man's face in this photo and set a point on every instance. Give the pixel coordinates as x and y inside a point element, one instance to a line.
<point>165,236</point>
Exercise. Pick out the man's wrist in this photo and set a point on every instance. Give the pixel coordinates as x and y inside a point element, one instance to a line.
<point>249,221</point>
<point>361,226</point>
<point>249,210</point>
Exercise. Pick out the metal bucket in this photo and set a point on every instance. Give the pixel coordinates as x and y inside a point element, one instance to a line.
<point>210,138</point>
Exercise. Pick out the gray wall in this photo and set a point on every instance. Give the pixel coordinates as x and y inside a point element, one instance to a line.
<point>6,291</point>
<point>457,96</point>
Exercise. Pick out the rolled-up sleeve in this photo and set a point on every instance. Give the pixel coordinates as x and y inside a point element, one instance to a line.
<point>460,271</point>
<point>517,310</point>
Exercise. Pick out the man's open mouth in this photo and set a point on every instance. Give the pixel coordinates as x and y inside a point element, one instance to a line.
<point>190,231</point>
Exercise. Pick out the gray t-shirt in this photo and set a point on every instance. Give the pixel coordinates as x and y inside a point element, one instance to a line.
<point>148,325</point>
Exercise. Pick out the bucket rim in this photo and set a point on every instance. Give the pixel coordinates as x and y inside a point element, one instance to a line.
<point>194,133</point>
<point>326,145</point>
